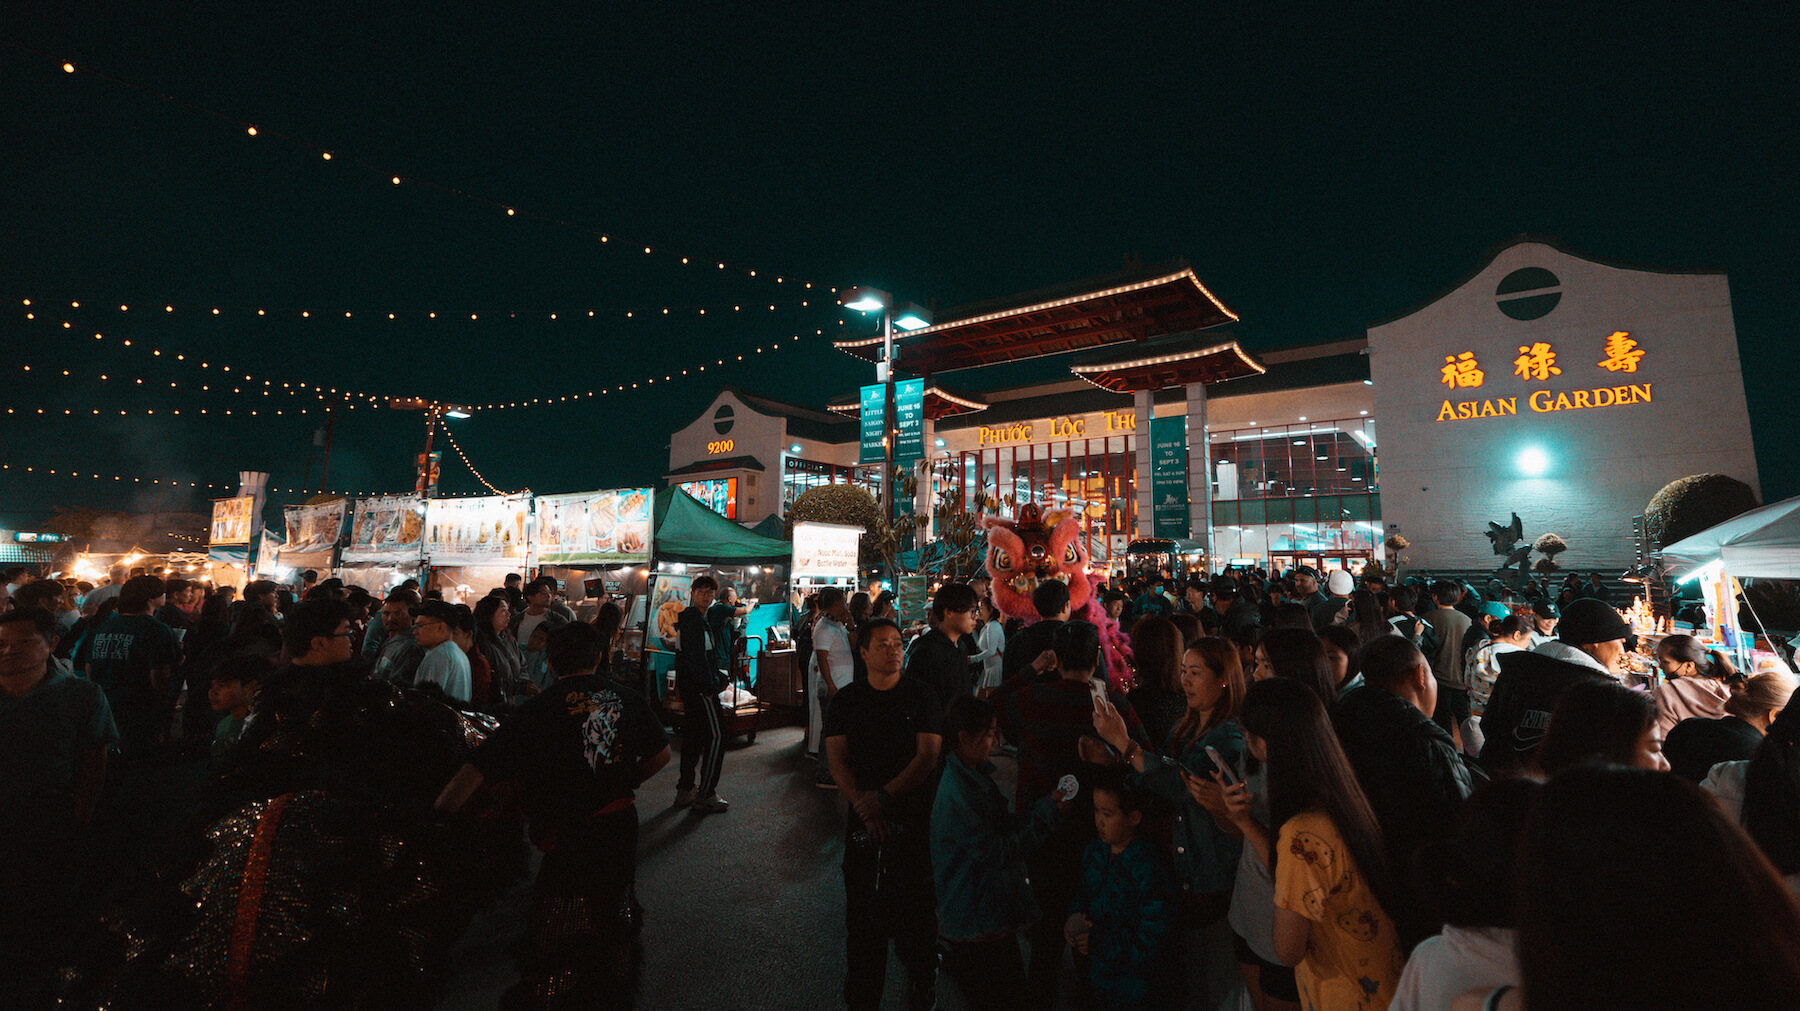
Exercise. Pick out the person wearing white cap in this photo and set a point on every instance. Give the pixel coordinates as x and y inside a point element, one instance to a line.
<point>1331,609</point>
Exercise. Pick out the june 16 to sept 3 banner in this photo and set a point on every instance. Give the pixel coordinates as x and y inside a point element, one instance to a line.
<point>909,421</point>
<point>1168,477</point>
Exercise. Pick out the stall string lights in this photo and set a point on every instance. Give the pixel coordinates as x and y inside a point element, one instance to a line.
<point>324,152</point>
<point>36,305</point>
<point>668,377</point>
<point>119,478</point>
<point>352,399</point>
<point>329,395</point>
<point>465,459</point>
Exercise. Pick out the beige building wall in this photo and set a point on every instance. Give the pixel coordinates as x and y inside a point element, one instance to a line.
<point>1577,452</point>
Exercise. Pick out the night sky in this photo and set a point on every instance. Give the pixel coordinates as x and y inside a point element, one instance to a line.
<point>1320,171</point>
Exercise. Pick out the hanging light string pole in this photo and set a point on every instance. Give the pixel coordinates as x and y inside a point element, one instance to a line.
<point>425,486</point>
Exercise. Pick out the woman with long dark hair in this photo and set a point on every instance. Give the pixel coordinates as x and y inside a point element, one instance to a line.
<point>1205,852</point>
<point>1326,856</point>
<point>1602,721</point>
<point>608,620</point>
<point>1366,617</point>
<point>1156,648</point>
<point>1341,644</point>
<point>1580,904</point>
<point>495,641</point>
<point>1298,655</point>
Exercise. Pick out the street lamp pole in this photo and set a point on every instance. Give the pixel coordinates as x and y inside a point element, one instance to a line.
<point>888,417</point>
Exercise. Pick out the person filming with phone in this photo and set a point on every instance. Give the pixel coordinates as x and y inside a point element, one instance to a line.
<point>1205,852</point>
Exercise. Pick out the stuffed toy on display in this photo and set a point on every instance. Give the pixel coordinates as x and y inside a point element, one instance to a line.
<point>1033,547</point>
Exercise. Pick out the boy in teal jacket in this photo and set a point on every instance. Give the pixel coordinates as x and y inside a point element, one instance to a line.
<point>978,853</point>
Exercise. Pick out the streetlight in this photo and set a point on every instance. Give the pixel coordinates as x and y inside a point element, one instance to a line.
<point>909,317</point>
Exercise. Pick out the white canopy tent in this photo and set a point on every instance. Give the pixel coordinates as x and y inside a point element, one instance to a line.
<point>1762,543</point>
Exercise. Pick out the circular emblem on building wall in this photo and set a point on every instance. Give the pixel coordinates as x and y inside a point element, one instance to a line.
<point>723,418</point>
<point>1522,294</point>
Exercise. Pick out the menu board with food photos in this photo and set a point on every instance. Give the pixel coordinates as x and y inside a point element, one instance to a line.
<point>314,527</point>
<point>386,528</point>
<point>597,527</point>
<point>478,531</point>
<point>231,519</point>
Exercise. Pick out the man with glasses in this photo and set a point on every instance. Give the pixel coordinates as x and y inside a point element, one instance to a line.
<point>940,657</point>
<point>398,656</point>
<point>319,633</point>
<point>882,739</point>
<point>444,663</point>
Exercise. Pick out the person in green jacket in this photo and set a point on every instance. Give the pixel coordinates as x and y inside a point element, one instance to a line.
<point>978,851</point>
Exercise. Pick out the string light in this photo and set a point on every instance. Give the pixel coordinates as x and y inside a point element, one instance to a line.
<point>394,313</point>
<point>590,394</point>
<point>333,395</point>
<point>465,459</point>
<point>121,478</point>
<point>511,209</point>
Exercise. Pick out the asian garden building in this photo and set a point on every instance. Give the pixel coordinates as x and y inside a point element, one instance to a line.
<point>1561,387</point>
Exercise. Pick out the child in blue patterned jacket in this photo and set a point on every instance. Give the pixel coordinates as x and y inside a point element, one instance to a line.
<point>1125,908</point>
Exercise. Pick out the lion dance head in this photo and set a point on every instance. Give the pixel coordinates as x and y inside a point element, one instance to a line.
<point>1030,549</point>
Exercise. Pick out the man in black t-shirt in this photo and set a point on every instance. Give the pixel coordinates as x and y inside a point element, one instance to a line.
<point>882,740</point>
<point>940,657</point>
<point>579,749</point>
<point>130,656</point>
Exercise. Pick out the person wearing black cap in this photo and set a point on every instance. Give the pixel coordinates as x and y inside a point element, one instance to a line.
<point>1544,617</point>
<point>444,663</point>
<point>1306,587</point>
<point>1591,641</point>
<point>1234,607</point>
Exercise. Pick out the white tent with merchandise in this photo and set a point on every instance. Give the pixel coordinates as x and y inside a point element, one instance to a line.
<point>1762,543</point>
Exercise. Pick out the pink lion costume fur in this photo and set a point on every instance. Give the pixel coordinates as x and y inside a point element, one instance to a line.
<point>1025,551</point>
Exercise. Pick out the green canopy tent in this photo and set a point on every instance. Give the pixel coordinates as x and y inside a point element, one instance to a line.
<point>687,531</point>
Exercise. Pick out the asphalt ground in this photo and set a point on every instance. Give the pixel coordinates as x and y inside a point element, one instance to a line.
<point>743,910</point>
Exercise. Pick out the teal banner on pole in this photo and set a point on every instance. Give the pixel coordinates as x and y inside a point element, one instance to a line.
<point>874,423</point>
<point>909,419</point>
<point>1168,477</point>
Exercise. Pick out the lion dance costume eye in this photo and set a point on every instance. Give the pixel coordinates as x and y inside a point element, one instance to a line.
<point>1033,547</point>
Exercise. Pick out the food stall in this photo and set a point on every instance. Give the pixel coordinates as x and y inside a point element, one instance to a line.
<point>314,534</point>
<point>597,545</point>
<point>1763,543</point>
<point>386,542</point>
<point>472,544</point>
<point>692,540</point>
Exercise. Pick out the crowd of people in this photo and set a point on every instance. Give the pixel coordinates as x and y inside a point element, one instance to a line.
<point>1327,791</point>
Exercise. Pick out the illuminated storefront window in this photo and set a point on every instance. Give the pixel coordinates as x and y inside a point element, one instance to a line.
<point>1304,493</point>
<point>1091,477</point>
<point>798,476</point>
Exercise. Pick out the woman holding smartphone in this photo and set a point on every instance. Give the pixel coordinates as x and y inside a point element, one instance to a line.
<point>1205,851</point>
<point>1323,848</point>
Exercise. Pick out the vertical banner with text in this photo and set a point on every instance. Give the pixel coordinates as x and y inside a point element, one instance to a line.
<point>909,420</point>
<point>874,423</point>
<point>1168,477</point>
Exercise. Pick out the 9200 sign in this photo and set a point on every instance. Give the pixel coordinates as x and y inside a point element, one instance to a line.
<point>722,446</point>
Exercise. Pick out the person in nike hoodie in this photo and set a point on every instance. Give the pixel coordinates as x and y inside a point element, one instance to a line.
<point>1590,643</point>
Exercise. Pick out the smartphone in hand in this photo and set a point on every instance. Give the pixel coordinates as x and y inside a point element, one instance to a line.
<point>1224,768</point>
